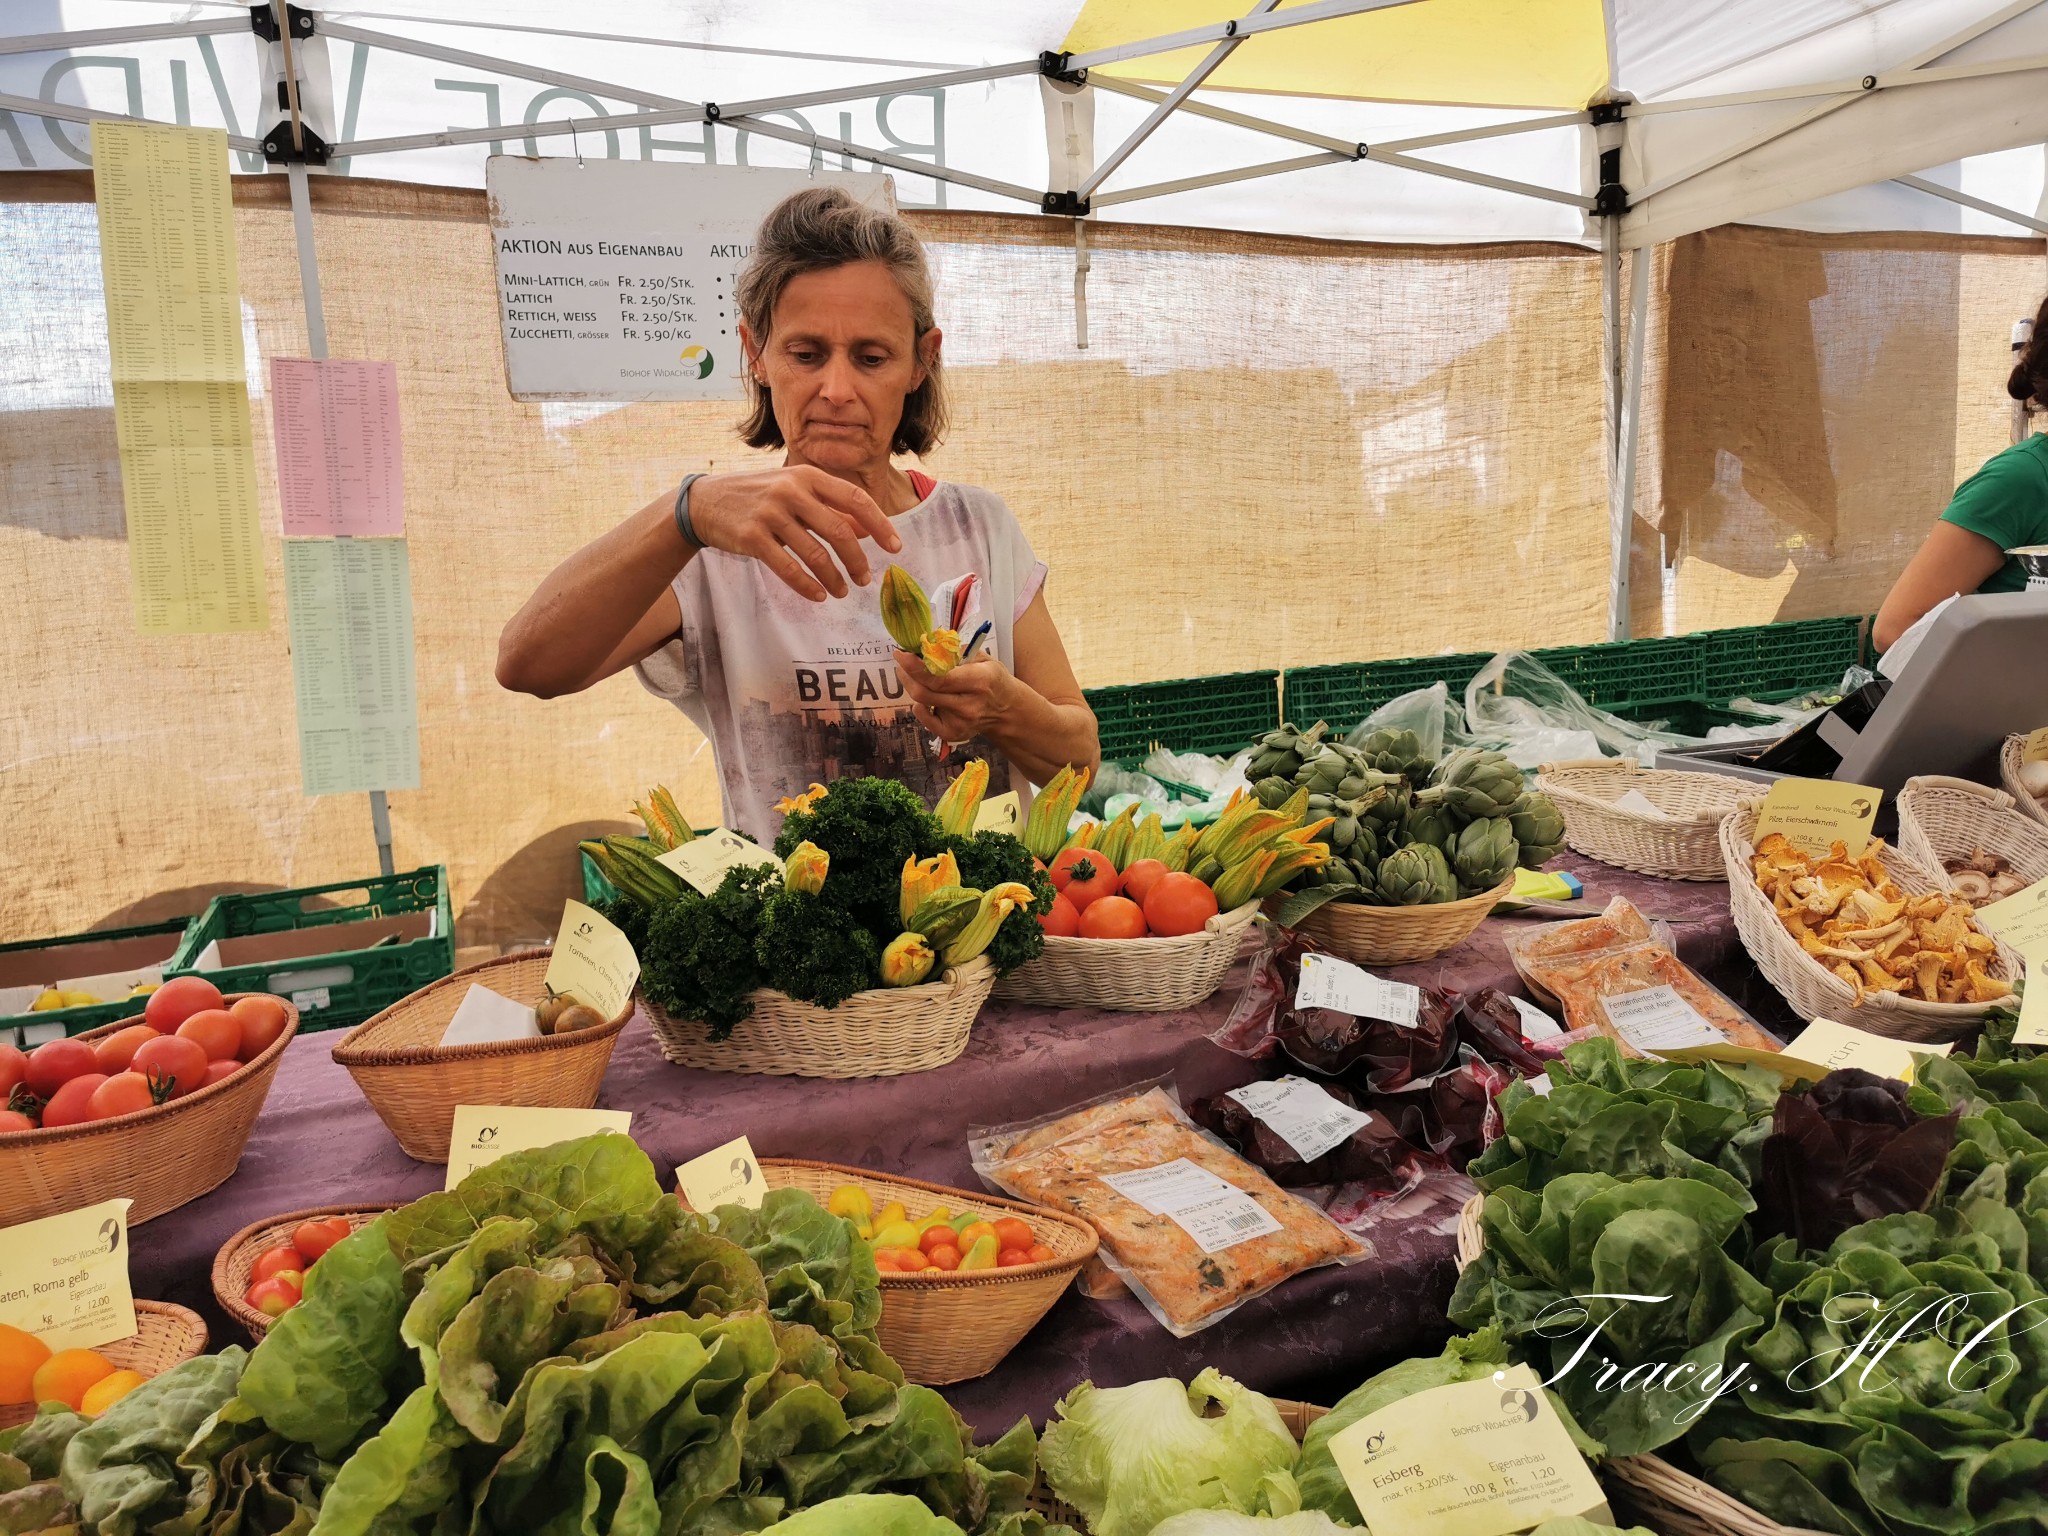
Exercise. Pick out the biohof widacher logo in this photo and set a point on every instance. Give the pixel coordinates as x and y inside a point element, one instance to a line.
<point>699,358</point>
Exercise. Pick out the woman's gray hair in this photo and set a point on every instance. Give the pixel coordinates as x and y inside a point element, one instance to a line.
<point>813,231</point>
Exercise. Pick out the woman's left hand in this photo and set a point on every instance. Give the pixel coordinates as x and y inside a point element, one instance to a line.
<point>969,701</point>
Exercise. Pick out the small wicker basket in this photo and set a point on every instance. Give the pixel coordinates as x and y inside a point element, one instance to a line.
<point>1943,818</point>
<point>231,1265</point>
<point>1683,846</point>
<point>1366,935</point>
<point>1814,991</point>
<point>2009,776</point>
<point>884,1032</point>
<point>954,1327</point>
<point>159,1157</point>
<point>415,1083</point>
<point>1152,975</point>
<point>166,1334</point>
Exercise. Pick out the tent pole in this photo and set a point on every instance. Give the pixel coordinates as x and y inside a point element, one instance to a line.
<point>1964,200</point>
<point>1621,507</point>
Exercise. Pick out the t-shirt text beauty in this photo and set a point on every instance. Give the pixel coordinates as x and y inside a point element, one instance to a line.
<point>850,686</point>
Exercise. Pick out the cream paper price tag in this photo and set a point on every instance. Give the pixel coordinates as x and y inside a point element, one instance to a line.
<point>705,861</point>
<point>1828,1045</point>
<point>483,1133</point>
<point>65,1278</point>
<point>1815,814</point>
<point>1327,982</point>
<point>2035,748</point>
<point>727,1175</point>
<point>592,961</point>
<point>1476,1458</point>
<point>1536,1024</point>
<point>1215,1214</point>
<point>999,813</point>
<point>1658,1019</point>
<point>2033,1026</point>
<point>2021,919</point>
<point>1301,1114</point>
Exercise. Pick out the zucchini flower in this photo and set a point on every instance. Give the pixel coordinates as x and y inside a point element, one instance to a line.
<point>996,904</point>
<point>962,800</point>
<point>906,611</point>
<point>1240,882</point>
<point>944,913</point>
<point>664,821</point>
<point>804,869</point>
<point>803,802</point>
<point>940,651</point>
<point>907,960</point>
<point>923,878</point>
<point>1045,828</point>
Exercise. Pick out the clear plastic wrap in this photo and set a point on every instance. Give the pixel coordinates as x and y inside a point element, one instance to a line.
<point>1188,1225</point>
<point>1536,717</point>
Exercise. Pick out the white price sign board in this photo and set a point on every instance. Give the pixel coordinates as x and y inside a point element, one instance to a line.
<point>615,277</point>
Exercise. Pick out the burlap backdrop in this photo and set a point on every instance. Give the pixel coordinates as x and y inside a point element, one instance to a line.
<point>1275,452</point>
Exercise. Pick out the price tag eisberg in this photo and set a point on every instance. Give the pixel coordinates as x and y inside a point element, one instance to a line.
<point>727,1175</point>
<point>1327,982</point>
<point>65,1278</point>
<point>1477,1458</point>
<point>1215,1214</point>
<point>1301,1114</point>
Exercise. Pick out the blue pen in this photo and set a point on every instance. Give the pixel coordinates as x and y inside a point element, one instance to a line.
<point>976,639</point>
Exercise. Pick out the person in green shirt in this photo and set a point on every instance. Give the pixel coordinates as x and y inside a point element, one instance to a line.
<point>2003,506</point>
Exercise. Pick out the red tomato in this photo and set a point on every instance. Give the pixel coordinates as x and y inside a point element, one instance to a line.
<point>172,1059</point>
<point>1063,921</point>
<point>1113,917</point>
<point>885,1262</point>
<point>262,1018</point>
<point>116,1053</point>
<point>909,1261</point>
<point>312,1239</point>
<point>71,1104</point>
<point>122,1094</point>
<point>1040,1254</point>
<point>1179,904</point>
<point>283,1259</point>
<point>177,1000</point>
<point>56,1062</point>
<point>13,1068</point>
<point>973,1230</point>
<point>216,1031</point>
<point>1141,877</point>
<point>1013,1233</point>
<point>945,1257</point>
<point>935,1236</point>
<point>14,1120</point>
<point>276,1296</point>
<point>1084,876</point>
<point>220,1071</point>
<point>1010,1258</point>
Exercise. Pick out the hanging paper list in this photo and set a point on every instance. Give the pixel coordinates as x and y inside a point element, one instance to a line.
<point>339,469</point>
<point>350,602</point>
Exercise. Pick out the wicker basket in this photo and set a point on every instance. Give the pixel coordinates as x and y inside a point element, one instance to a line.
<point>1155,975</point>
<point>1942,818</point>
<point>165,1335</point>
<point>1366,935</point>
<point>2009,776</point>
<point>231,1265</point>
<point>881,1033</point>
<point>1296,1416</point>
<point>954,1327</point>
<point>415,1084</point>
<point>1686,846</point>
<point>159,1158</point>
<point>1814,991</point>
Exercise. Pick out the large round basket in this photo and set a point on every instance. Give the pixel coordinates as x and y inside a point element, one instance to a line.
<point>953,1327</point>
<point>1296,1416</point>
<point>880,1033</point>
<point>1366,935</point>
<point>1683,844</point>
<point>159,1157</point>
<point>1942,819</point>
<point>415,1083</point>
<point>1814,991</point>
<point>165,1335</point>
<point>2009,776</point>
<point>1155,975</point>
<point>1653,1491</point>
<point>231,1265</point>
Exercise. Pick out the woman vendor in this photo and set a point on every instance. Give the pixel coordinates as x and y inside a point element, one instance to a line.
<point>2003,506</point>
<point>750,600</point>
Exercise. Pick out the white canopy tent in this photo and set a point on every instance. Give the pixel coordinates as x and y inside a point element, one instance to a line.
<point>1622,123</point>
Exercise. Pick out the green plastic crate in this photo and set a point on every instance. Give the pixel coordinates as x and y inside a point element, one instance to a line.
<point>1345,693</point>
<point>1195,714</point>
<point>1629,672</point>
<point>31,1029</point>
<point>341,989</point>
<point>1783,659</point>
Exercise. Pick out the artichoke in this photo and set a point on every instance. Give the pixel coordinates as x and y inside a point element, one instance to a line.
<point>1272,791</point>
<point>1395,752</point>
<point>1432,824</point>
<point>1416,876</point>
<point>1484,855</point>
<point>1476,784</point>
<point>1539,828</point>
<point>1384,807</point>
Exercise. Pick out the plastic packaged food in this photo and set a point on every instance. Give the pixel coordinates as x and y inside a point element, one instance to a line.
<point>1533,948</point>
<point>1192,1228</point>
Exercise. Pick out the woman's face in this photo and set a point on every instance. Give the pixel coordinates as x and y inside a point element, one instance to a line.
<point>840,357</point>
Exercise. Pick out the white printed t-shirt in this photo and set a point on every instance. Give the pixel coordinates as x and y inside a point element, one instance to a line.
<point>790,691</point>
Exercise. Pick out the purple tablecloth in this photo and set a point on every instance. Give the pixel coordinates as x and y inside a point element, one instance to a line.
<point>319,1143</point>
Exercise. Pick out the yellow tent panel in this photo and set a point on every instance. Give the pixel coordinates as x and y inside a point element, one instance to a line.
<point>1508,53</point>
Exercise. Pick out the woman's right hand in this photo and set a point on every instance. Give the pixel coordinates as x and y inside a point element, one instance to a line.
<point>794,520</point>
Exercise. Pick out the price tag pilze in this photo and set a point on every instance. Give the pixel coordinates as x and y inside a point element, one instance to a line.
<point>1658,1019</point>
<point>65,1278</point>
<point>727,1175</point>
<point>1327,982</point>
<point>1301,1114</point>
<point>1217,1215</point>
<point>483,1133</point>
<point>1815,814</point>
<point>704,861</point>
<point>592,961</point>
